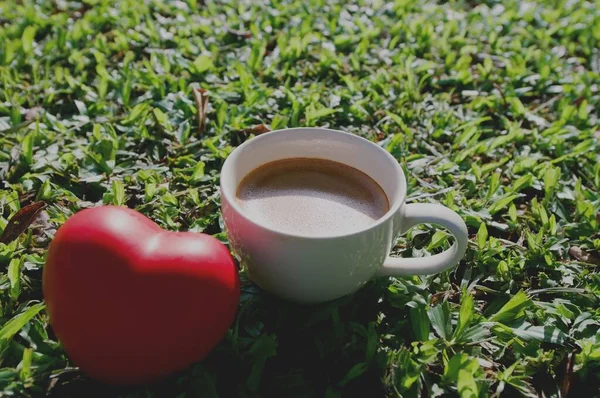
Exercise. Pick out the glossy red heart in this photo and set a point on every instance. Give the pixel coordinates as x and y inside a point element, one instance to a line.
<point>131,302</point>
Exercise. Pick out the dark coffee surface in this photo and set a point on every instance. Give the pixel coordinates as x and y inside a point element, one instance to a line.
<point>313,197</point>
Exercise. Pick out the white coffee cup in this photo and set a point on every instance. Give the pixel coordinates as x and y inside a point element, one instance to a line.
<point>311,269</point>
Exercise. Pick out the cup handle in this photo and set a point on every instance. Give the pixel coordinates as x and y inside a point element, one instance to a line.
<point>420,213</point>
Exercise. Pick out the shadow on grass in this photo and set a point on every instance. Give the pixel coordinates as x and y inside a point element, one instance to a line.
<point>277,349</point>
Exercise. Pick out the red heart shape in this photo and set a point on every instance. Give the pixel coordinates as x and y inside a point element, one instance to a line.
<point>131,302</point>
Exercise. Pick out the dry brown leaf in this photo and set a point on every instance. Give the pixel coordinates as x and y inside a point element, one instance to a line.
<point>580,255</point>
<point>201,104</point>
<point>21,221</point>
<point>33,113</point>
<point>256,130</point>
<point>565,384</point>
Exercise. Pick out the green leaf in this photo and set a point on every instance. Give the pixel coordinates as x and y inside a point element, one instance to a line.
<point>138,112</point>
<point>313,114</point>
<point>45,192</point>
<point>494,184</point>
<point>372,342</point>
<point>219,152</point>
<point>399,121</point>
<point>438,239</point>
<point>198,172</point>
<point>27,39</point>
<point>539,211</point>
<point>203,63</point>
<point>183,132</point>
<point>551,177</point>
<point>552,226</point>
<point>440,320</point>
<point>27,147</point>
<point>513,309</point>
<point>279,122</point>
<point>502,140</point>
<point>523,165</point>
<point>583,110</point>
<point>14,277</point>
<point>419,322</point>
<point>194,196</point>
<point>532,242</point>
<point>465,314</point>
<point>501,203</point>
<point>118,193</point>
<point>467,387</point>
<point>517,106</point>
<point>408,370</point>
<point>25,365</point>
<point>104,153</point>
<point>482,235</point>
<point>221,114</point>
<point>161,118</point>
<point>547,333</point>
<point>353,373</point>
<point>512,213</point>
<point>475,334</point>
<point>522,182</point>
<point>503,269</point>
<point>469,130</point>
<point>256,55</point>
<point>170,199</point>
<point>262,349</point>
<point>530,333</point>
<point>461,370</point>
<point>11,327</point>
<point>149,191</point>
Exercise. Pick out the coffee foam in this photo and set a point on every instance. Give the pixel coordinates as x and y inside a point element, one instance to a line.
<point>313,197</point>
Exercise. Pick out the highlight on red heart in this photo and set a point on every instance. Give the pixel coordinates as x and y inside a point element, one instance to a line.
<point>131,302</point>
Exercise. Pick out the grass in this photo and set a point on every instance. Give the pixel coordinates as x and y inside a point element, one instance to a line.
<point>491,108</point>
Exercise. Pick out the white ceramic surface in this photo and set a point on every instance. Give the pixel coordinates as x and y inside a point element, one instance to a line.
<point>309,269</point>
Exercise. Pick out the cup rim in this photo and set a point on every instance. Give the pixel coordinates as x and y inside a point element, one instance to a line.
<point>226,172</point>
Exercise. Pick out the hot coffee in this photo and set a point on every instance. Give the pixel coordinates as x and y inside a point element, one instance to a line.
<point>312,197</point>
